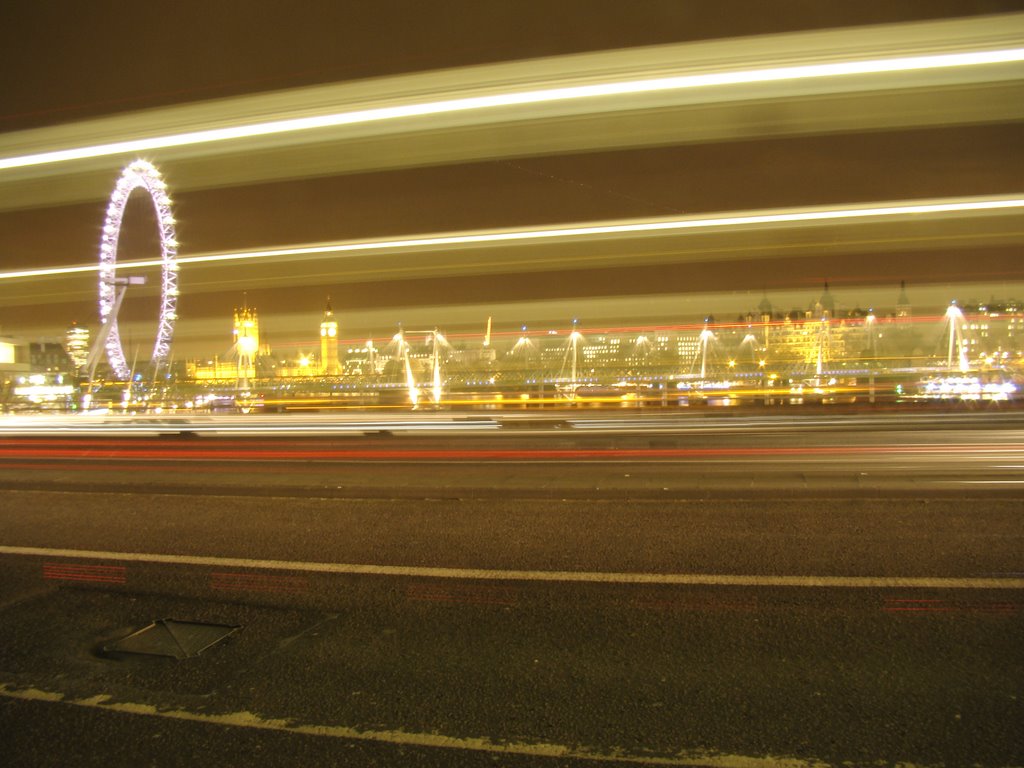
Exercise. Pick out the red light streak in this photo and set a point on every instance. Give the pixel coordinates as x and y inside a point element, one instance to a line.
<point>257,582</point>
<point>102,574</point>
<point>936,605</point>
<point>543,331</point>
<point>261,452</point>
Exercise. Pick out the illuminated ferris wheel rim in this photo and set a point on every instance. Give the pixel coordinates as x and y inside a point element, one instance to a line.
<point>139,174</point>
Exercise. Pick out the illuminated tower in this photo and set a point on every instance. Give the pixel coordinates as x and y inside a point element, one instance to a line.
<point>246,343</point>
<point>765,309</point>
<point>903,310</point>
<point>329,342</point>
<point>827,304</point>
<point>77,345</point>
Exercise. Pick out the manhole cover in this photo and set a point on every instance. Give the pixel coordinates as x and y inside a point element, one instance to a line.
<point>169,637</point>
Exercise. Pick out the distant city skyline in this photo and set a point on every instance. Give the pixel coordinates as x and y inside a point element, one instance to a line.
<point>299,328</point>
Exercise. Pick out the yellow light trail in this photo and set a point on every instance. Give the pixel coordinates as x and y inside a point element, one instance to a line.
<point>527,97</point>
<point>571,232</point>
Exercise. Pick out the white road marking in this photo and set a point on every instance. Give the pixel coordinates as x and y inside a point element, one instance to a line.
<point>409,738</point>
<point>481,574</point>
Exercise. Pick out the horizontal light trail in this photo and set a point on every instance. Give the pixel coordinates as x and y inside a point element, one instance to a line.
<point>40,430</point>
<point>986,482</point>
<point>934,605</point>
<point>482,574</point>
<point>573,232</point>
<point>544,332</point>
<point>94,452</point>
<point>523,98</point>
<point>78,428</point>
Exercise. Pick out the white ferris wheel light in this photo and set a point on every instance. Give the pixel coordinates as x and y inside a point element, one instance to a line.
<point>139,174</point>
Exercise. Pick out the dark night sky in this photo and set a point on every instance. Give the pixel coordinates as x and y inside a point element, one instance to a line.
<point>62,61</point>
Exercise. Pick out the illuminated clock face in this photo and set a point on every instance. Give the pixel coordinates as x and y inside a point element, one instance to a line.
<point>331,331</point>
<point>323,331</point>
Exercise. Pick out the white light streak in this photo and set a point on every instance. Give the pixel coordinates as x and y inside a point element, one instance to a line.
<point>522,98</point>
<point>571,232</point>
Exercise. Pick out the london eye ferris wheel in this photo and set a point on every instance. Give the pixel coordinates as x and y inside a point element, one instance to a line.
<point>139,174</point>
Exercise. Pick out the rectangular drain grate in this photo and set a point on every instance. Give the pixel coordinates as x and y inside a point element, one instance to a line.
<point>169,637</point>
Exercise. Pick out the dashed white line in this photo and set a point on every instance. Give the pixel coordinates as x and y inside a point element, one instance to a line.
<point>411,738</point>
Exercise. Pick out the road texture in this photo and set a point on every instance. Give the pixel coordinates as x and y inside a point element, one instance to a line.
<point>418,620</point>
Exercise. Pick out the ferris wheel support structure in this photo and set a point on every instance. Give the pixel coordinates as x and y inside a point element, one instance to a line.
<point>99,344</point>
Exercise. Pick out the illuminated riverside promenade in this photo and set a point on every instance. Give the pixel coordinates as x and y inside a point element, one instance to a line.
<point>765,358</point>
<point>817,355</point>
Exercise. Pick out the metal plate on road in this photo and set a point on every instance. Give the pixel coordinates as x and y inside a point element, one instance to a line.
<point>169,637</point>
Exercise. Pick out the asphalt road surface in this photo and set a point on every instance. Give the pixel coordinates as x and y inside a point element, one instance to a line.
<point>773,594</point>
<point>546,454</point>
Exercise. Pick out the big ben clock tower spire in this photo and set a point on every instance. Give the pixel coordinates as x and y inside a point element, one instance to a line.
<point>329,342</point>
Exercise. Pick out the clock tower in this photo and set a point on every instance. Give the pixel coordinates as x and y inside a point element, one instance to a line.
<point>329,342</point>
